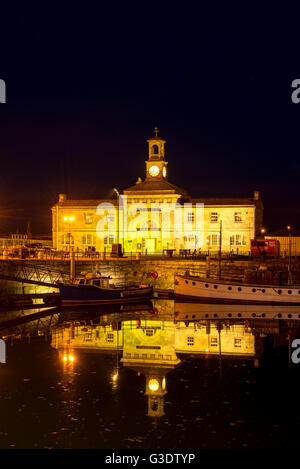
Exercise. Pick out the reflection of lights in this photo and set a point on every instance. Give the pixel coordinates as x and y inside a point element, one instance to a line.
<point>68,357</point>
<point>153,385</point>
<point>163,384</point>
<point>115,377</point>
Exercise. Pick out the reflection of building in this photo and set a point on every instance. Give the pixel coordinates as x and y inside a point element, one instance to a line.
<point>144,228</point>
<point>150,346</point>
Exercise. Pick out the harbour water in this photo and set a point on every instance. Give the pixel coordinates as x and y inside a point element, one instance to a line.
<point>149,376</point>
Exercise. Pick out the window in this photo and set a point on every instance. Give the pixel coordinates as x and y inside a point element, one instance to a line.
<point>237,342</point>
<point>214,217</point>
<point>190,341</point>
<point>149,332</point>
<point>111,217</point>
<point>237,240</point>
<point>88,218</point>
<point>88,239</point>
<point>238,217</point>
<point>214,239</point>
<point>190,217</point>
<point>67,239</point>
<point>214,342</point>
<point>108,239</point>
<point>109,338</point>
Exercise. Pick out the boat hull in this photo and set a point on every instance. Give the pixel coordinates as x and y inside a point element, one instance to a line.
<point>195,289</point>
<point>187,311</point>
<point>89,294</point>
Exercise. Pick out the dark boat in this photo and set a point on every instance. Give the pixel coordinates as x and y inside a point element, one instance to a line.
<point>96,289</point>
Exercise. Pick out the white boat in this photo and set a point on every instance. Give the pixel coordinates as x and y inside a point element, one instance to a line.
<point>197,288</point>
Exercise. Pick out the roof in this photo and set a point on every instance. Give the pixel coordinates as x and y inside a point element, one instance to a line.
<point>147,187</point>
<point>225,201</point>
<point>85,203</point>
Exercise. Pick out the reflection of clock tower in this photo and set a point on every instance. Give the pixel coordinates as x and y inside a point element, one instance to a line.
<point>156,166</point>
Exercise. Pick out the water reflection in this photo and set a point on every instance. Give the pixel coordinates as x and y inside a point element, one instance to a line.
<point>160,361</point>
<point>153,339</point>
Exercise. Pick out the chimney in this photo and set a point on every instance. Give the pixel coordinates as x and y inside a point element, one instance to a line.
<point>256,195</point>
<point>62,198</point>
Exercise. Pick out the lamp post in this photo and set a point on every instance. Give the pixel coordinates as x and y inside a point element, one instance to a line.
<point>69,221</point>
<point>290,255</point>
<point>118,195</point>
<point>208,258</point>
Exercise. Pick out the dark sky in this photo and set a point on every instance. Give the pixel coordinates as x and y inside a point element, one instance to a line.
<point>85,90</point>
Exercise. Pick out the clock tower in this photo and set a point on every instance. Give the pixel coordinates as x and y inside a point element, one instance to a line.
<point>156,166</point>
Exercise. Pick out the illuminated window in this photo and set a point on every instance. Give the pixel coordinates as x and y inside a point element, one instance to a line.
<point>237,240</point>
<point>190,217</point>
<point>149,332</point>
<point>214,239</point>
<point>88,218</point>
<point>238,217</point>
<point>88,239</point>
<point>108,239</point>
<point>109,338</point>
<point>190,341</point>
<point>214,217</point>
<point>237,342</point>
<point>111,217</point>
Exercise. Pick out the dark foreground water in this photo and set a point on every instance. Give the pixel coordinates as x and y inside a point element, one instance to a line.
<point>57,388</point>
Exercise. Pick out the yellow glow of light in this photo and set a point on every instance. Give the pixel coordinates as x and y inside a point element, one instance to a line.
<point>65,358</point>
<point>207,350</point>
<point>71,358</point>
<point>115,377</point>
<point>153,385</point>
<point>69,218</point>
<point>163,384</point>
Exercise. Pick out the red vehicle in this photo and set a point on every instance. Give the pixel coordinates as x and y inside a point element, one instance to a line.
<point>264,247</point>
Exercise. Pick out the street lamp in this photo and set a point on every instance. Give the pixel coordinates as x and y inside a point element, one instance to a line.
<point>118,195</point>
<point>69,221</point>
<point>290,254</point>
<point>263,231</point>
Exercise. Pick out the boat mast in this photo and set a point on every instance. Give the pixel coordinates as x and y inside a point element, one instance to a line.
<point>220,250</point>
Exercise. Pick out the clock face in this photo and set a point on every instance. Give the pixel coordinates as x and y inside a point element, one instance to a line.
<point>164,171</point>
<point>154,171</point>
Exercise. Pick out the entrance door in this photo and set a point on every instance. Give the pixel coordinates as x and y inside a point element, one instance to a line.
<point>150,246</point>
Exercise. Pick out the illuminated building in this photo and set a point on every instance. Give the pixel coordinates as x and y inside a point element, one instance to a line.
<point>154,215</point>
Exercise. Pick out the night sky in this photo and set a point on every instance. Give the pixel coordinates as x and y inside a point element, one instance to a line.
<point>85,90</point>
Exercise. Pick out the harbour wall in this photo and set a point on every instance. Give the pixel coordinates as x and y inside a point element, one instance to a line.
<point>158,273</point>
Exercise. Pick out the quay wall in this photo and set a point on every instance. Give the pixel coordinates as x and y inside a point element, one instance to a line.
<point>157,272</point>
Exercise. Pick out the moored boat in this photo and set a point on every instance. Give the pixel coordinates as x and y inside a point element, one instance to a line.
<point>197,288</point>
<point>96,289</point>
